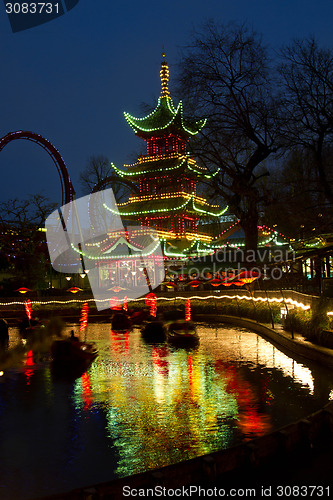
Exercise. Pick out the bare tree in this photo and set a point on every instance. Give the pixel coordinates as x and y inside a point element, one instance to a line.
<point>99,174</point>
<point>97,169</point>
<point>226,73</point>
<point>307,78</point>
<point>296,206</point>
<point>25,215</point>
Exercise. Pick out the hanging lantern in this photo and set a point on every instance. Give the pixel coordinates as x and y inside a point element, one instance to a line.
<point>215,282</point>
<point>238,283</point>
<point>74,289</point>
<point>248,276</point>
<point>194,284</point>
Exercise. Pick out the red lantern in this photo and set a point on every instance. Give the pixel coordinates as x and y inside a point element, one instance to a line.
<point>194,284</point>
<point>215,282</point>
<point>248,276</point>
<point>74,289</point>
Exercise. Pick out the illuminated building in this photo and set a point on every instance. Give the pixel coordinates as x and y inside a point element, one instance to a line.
<point>167,178</point>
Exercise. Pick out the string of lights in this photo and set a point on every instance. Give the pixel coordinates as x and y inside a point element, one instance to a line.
<point>272,300</point>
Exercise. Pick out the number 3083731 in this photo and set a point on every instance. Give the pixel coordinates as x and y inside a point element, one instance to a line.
<point>32,8</point>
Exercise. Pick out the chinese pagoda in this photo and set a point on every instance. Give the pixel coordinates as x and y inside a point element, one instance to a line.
<point>166,178</point>
<point>166,202</point>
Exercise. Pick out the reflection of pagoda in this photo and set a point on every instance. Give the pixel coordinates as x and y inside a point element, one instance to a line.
<point>167,177</point>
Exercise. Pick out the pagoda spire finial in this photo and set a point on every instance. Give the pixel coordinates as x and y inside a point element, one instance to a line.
<point>164,74</point>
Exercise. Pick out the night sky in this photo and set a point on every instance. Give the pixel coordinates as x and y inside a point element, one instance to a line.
<point>71,79</point>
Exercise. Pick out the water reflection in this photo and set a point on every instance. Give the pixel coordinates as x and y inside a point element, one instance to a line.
<point>142,406</point>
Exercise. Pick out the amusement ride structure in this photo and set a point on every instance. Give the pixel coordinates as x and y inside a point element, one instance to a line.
<point>66,184</point>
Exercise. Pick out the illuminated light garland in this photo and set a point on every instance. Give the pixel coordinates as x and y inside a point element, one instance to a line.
<point>156,210</point>
<point>162,196</point>
<point>205,175</point>
<point>206,297</point>
<point>123,241</point>
<point>170,117</point>
<point>155,158</point>
<point>210,213</point>
<point>160,210</point>
<point>164,75</point>
<point>109,257</point>
<point>197,251</point>
<point>122,173</point>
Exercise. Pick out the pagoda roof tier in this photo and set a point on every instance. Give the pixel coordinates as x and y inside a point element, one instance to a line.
<point>185,249</point>
<point>164,118</point>
<point>170,163</point>
<point>136,242</point>
<point>115,246</point>
<point>166,204</point>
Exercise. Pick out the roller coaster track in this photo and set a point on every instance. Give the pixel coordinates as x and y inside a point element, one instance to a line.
<point>66,184</point>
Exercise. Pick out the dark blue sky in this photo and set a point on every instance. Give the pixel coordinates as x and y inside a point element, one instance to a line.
<point>71,79</point>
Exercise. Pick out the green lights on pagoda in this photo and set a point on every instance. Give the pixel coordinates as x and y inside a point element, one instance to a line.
<point>165,116</point>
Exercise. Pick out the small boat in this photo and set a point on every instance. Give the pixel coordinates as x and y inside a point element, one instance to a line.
<point>182,333</point>
<point>4,336</point>
<point>154,331</point>
<point>139,317</point>
<point>120,322</point>
<point>70,359</point>
<point>27,326</point>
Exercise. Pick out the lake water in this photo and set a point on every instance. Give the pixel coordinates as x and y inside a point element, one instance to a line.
<point>144,406</point>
